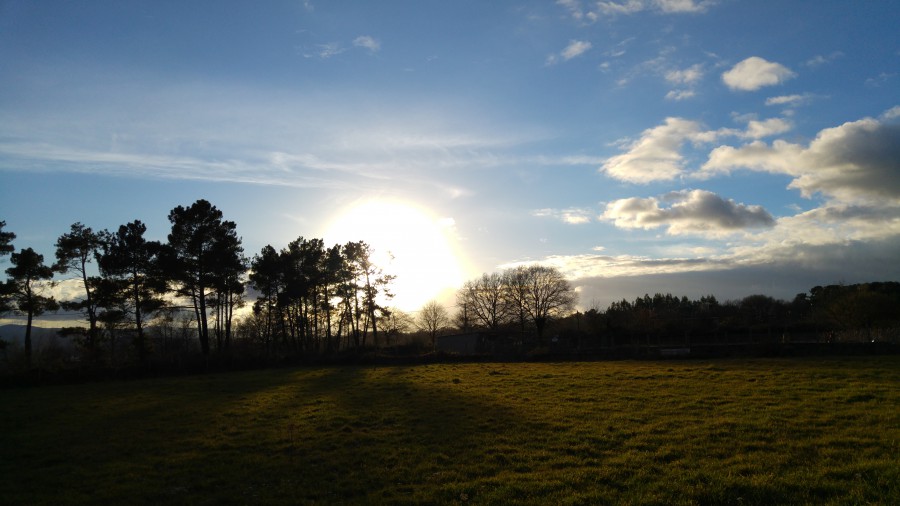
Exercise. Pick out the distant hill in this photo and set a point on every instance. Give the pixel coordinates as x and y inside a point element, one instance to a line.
<point>40,336</point>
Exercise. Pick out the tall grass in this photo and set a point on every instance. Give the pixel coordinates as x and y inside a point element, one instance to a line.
<point>804,431</point>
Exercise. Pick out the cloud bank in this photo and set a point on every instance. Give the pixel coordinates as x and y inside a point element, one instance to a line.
<point>858,161</point>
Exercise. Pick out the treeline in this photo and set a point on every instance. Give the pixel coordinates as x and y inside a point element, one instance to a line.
<point>176,304</point>
<point>851,313</point>
<point>178,299</point>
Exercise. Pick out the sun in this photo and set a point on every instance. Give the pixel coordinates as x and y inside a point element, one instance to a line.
<point>409,243</point>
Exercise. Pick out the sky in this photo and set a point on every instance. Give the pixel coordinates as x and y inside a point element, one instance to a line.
<point>695,147</point>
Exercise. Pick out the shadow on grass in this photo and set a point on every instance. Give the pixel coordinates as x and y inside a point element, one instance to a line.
<point>485,433</point>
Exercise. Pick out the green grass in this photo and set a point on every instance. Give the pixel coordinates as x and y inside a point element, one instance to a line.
<point>805,431</point>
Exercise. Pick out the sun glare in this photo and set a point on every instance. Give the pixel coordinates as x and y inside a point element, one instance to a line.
<point>409,243</point>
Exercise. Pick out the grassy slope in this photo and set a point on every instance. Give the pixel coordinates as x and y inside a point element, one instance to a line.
<point>722,432</point>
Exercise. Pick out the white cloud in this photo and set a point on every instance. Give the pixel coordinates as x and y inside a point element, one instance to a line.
<point>819,59</point>
<point>788,100</point>
<point>680,94</point>
<point>611,8</point>
<point>627,7</point>
<point>858,161</point>
<point>575,9</point>
<point>686,76</point>
<point>880,80</point>
<point>772,126</point>
<point>683,5</point>
<point>572,216</point>
<point>656,155</point>
<point>892,113</point>
<point>827,245</point>
<point>368,42</point>
<point>328,50</point>
<point>755,73</point>
<point>687,212</point>
<point>575,48</point>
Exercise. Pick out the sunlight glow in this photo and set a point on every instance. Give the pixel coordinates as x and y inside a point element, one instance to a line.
<point>409,243</point>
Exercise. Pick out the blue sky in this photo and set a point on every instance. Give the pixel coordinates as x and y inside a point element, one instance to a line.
<point>687,146</point>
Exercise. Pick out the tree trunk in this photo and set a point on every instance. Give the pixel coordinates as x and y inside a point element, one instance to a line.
<point>28,338</point>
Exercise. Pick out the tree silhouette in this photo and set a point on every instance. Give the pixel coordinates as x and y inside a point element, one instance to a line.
<point>27,271</point>
<point>267,278</point>
<point>74,251</point>
<point>539,293</point>
<point>6,239</point>
<point>203,250</point>
<point>484,300</point>
<point>134,277</point>
<point>6,248</point>
<point>431,319</point>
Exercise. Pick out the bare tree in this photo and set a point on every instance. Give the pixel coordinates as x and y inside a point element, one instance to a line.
<point>395,322</point>
<point>431,319</point>
<point>483,301</point>
<point>539,294</point>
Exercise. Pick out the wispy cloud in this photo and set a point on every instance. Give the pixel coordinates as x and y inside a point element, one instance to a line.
<point>574,49</point>
<point>680,94</point>
<point>820,60</point>
<point>367,42</point>
<point>572,215</point>
<point>194,131</point>
<point>789,100</point>
<point>577,11</point>
<point>754,73</point>
<point>327,50</point>
<point>688,78</point>
<point>611,8</point>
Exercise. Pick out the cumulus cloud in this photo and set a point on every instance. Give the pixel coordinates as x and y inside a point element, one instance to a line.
<point>572,216</point>
<point>773,126</point>
<point>755,73</point>
<point>856,161</point>
<point>687,212</point>
<point>367,42</point>
<point>656,156</point>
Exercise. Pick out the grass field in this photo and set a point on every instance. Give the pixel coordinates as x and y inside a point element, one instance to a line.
<point>803,431</point>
